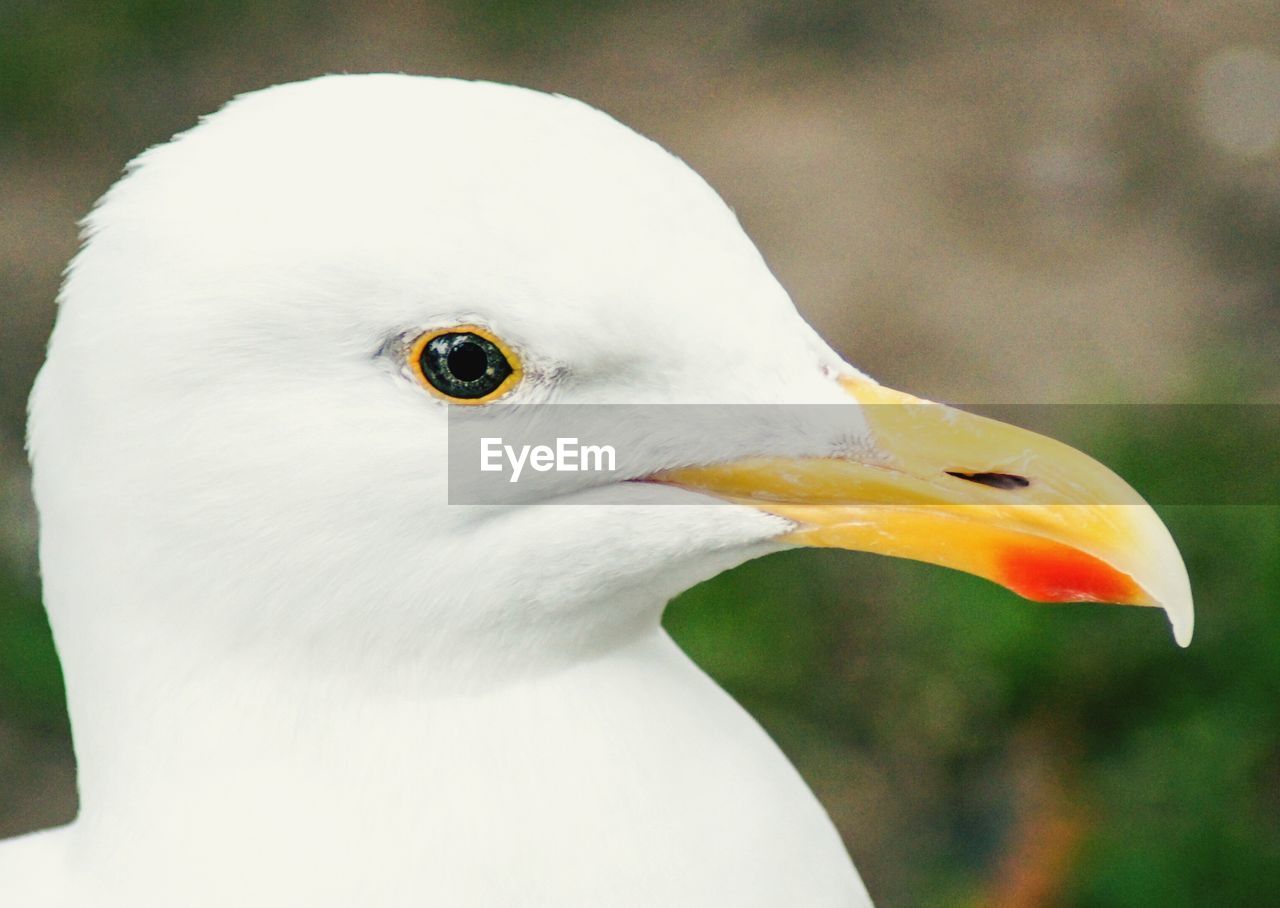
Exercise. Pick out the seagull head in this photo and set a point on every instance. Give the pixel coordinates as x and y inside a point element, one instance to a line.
<point>241,435</point>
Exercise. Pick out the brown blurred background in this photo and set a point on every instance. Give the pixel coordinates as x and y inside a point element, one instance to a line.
<point>979,202</point>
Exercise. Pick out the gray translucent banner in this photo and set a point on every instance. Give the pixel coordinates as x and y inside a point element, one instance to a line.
<point>1172,454</point>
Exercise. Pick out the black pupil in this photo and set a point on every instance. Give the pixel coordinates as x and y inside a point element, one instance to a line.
<point>464,365</point>
<point>467,361</point>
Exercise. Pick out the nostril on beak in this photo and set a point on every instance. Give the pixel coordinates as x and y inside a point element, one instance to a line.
<point>1007,481</point>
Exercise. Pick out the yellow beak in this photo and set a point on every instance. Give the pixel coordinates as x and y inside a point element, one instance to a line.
<point>952,488</point>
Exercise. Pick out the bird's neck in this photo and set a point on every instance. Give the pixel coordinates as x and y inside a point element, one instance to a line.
<point>235,740</point>
<point>311,788</point>
<point>162,713</point>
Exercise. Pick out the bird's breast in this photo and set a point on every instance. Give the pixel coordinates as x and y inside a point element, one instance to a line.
<point>629,780</point>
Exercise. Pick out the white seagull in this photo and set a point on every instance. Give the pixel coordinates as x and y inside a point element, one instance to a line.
<point>298,675</point>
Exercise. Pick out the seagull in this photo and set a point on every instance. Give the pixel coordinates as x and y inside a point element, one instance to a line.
<point>300,673</point>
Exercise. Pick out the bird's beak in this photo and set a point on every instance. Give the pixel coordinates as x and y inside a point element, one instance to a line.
<point>960,490</point>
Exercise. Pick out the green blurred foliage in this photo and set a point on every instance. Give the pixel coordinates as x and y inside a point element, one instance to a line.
<point>1173,755</point>
<point>51,51</point>
<point>527,25</point>
<point>30,677</point>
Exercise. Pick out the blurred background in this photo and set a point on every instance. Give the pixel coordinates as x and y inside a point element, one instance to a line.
<point>980,201</point>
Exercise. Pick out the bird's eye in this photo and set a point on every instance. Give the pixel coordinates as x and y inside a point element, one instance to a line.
<point>465,365</point>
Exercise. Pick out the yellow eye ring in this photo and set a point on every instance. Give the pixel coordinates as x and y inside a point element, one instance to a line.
<point>465,364</point>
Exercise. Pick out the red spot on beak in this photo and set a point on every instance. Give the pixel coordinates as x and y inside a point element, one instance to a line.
<point>1045,571</point>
